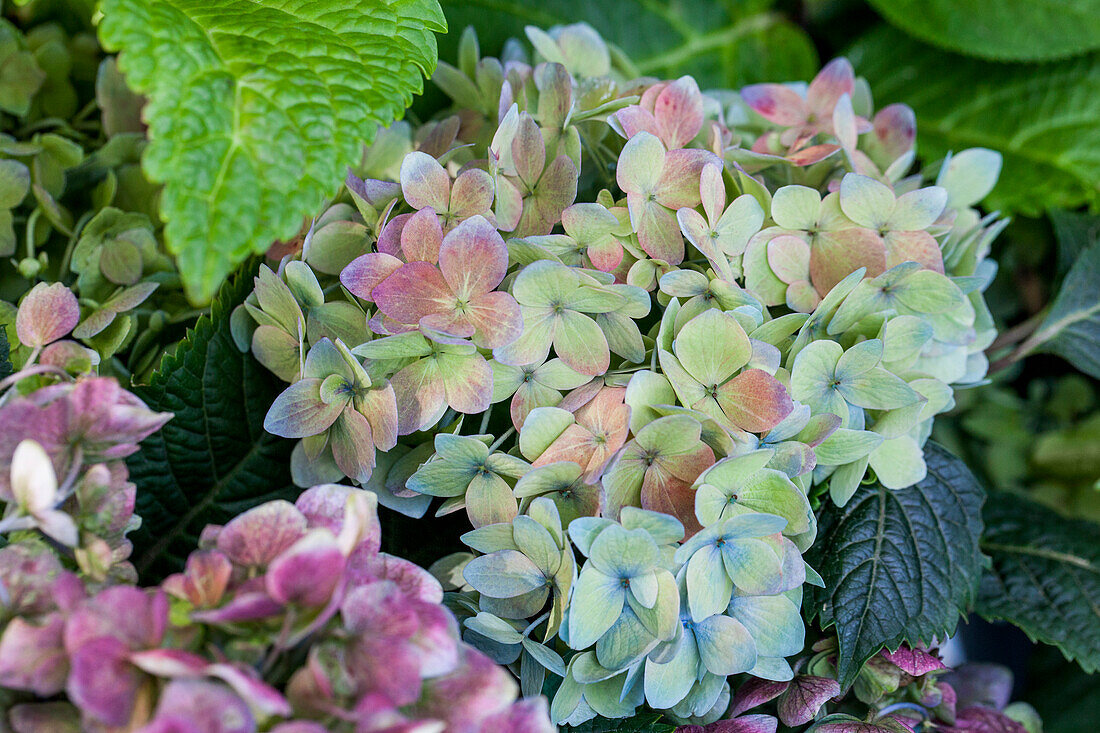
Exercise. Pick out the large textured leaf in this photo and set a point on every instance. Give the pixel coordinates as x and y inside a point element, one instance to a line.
<point>899,565</point>
<point>1045,576</point>
<point>641,723</point>
<point>1072,328</point>
<point>1042,118</point>
<point>256,108</point>
<point>214,459</point>
<point>1005,29</point>
<point>709,40</point>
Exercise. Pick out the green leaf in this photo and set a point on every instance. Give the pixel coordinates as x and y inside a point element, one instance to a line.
<point>1045,576</point>
<point>899,565</point>
<point>256,109</point>
<point>663,39</point>
<point>1041,118</point>
<point>1008,30</point>
<point>641,723</point>
<point>1072,328</point>
<point>6,369</point>
<point>1075,233</point>
<point>214,459</point>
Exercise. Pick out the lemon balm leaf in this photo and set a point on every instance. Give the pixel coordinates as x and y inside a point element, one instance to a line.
<point>255,109</point>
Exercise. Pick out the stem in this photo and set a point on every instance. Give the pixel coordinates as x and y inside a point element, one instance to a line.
<point>1033,339</point>
<point>499,441</point>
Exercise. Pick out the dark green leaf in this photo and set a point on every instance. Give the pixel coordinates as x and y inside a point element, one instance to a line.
<point>1045,576</point>
<point>1072,328</point>
<point>1021,30</point>
<point>1065,697</point>
<point>256,108</point>
<point>6,369</point>
<point>214,459</point>
<point>1075,233</point>
<point>665,39</point>
<point>1042,118</point>
<point>641,723</point>
<point>899,566</point>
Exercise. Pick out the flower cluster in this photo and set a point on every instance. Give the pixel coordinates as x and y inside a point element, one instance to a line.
<point>297,593</point>
<point>678,319</point>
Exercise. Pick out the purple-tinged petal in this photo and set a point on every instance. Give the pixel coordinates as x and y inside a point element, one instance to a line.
<point>32,657</point>
<point>246,683</point>
<point>300,412</point>
<point>915,662</point>
<point>476,690</point>
<point>497,319</point>
<point>679,112</point>
<point>379,406</point>
<point>353,445</point>
<point>168,662</point>
<point>102,682</point>
<point>755,692</point>
<point>424,182</point>
<point>421,400</point>
<point>980,719</point>
<point>204,579</point>
<point>755,401</point>
<point>812,154</point>
<point>420,238</point>
<point>47,313</point>
<point>326,506</point>
<point>529,715</point>
<point>473,258</point>
<point>308,572</point>
<point>920,247</point>
<point>680,177</point>
<point>258,536</point>
<point>528,150</point>
<point>414,291</point>
<point>374,192</point>
<point>895,128</point>
<point>242,608</point>
<point>467,382</point>
<point>835,255</point>
<point>844,122</point>
<point>389,239</point>
<point>211,707</point>
<point>776,103</point>
<point>805,696</point>
<point>412,579</point>
<point>834,80</point>
<point>472,194</point>
<point>658,231</point>
<point>744,724</point>
<point>634,119</point>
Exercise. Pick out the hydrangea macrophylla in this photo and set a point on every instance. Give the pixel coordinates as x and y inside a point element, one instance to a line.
<point>704,369</point>
<point>808,115</point>
<point>658,182</point>
<point>663,395</point>
<point>458,298</point>
<point>532,191</point>
<point>672,111</point>
<point>426,185</point>
<point>337,407</point>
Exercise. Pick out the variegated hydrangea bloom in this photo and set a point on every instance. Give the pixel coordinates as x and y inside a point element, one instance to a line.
<point>631,328</point>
